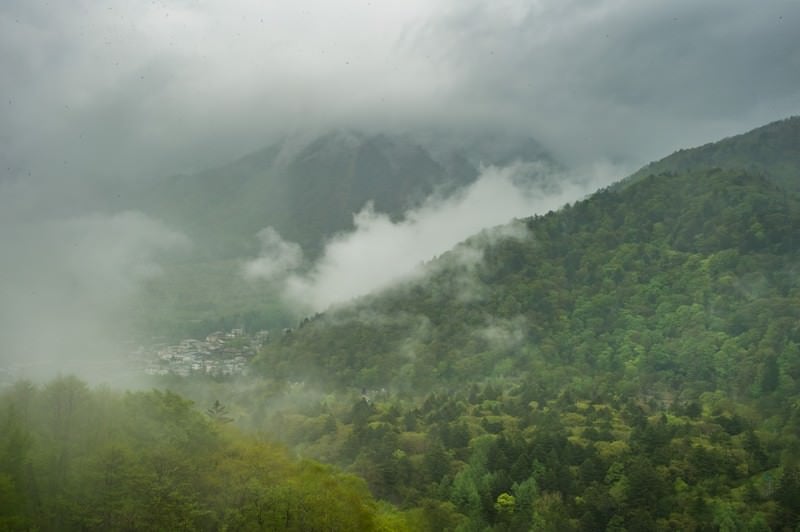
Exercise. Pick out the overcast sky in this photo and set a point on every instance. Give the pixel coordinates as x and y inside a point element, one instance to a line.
<point>94,92</point>
<point>118,88</point>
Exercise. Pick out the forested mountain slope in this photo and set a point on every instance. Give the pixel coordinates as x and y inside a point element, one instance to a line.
<point>630,362</point>
<point>772,150</point>
<point>656,256</point>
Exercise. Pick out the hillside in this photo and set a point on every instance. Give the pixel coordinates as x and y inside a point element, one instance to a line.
<point>772,150</point>
<point>629,362</point>
<point>615,256</point>
<point>72,458</point>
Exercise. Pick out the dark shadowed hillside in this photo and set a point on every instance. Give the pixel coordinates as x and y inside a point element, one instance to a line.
<point>308,190</point>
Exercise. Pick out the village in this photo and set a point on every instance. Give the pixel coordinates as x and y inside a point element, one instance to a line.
<point>220,354</point>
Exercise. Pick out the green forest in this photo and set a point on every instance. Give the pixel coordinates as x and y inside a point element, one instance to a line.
<point>630,362</point>
<point>75,458</point>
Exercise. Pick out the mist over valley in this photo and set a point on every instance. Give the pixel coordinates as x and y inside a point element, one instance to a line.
<point>429,266</point>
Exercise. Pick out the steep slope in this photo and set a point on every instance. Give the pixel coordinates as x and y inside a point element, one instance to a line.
<point>772,150</point>
<point>220,207</point>
<point>338,174</point>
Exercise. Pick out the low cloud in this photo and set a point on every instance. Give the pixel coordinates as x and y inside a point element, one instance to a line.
<point>504,334</point>
<point>380,252</point>
<point>66,285</point>
<point>124,89</point>
<point>277,258</point>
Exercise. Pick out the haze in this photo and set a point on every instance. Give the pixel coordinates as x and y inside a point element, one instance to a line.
<point>97,94</point>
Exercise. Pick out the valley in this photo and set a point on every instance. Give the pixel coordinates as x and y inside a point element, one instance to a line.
<point>626,362</point>
<point>430,327</point>
<point>426,266</point>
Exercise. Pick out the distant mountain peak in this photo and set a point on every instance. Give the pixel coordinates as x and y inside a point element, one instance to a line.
<point>308,186</point>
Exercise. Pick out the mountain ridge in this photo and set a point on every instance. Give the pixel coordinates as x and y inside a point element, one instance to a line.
<point>758,217</point>
<point>628,362</point>
<point>308,190</point>
<point>772,149</point>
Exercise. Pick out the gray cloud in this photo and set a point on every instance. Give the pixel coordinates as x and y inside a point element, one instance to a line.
<point>276,259</point>
<point>92,93</point>
<point>623,77</point>
<point>120,89</point>
<point>128,89</point>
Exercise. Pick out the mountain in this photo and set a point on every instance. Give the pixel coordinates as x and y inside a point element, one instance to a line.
<point>309,188</point>
<point>772,150</point>
<point>719,240</point>
<point>306,188</point>
<point>630,362</point>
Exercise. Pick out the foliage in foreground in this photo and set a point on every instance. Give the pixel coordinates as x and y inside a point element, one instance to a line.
<point>72,458</point>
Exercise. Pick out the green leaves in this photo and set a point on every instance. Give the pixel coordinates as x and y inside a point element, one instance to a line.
<point>649,332</point>
<point>151,461</point>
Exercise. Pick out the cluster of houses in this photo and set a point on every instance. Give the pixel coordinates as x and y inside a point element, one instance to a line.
<point>220,354</point>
